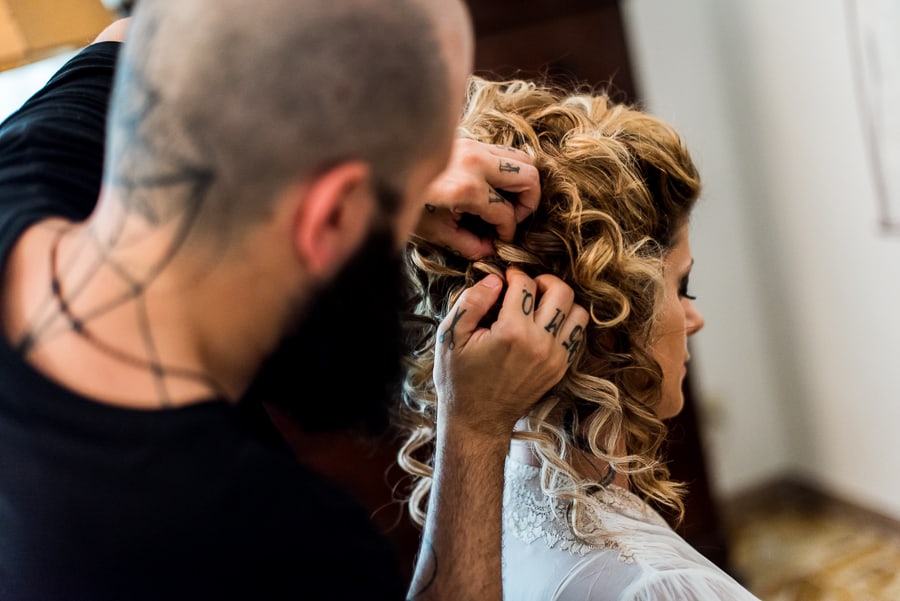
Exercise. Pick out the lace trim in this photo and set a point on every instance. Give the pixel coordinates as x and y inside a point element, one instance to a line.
<point>529,515</point>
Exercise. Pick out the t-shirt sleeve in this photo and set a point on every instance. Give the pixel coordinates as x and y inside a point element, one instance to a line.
<point>51,149</point>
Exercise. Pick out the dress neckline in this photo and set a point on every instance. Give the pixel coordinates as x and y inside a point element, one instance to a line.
<point>529,515</point>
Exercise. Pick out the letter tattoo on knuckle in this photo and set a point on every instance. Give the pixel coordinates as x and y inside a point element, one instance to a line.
<point>494,197</point>
<point>553,327</point>
<point>527,301</point>
<point>507,167</point>
<point>574,342</point>
<point>449,335</point>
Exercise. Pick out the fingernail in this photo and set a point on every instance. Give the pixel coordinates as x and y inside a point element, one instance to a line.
<point>492,281</point>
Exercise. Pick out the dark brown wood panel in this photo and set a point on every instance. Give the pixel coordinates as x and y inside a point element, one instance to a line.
<point>490,16</point>
<point>573,41</point>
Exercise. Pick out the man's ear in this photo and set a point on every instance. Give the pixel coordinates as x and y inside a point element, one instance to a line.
<point>333,218</point>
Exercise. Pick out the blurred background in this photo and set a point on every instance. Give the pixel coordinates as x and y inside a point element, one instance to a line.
<point>791,435</point>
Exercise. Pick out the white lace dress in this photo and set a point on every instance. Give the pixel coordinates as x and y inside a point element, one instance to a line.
<point>642,559</point>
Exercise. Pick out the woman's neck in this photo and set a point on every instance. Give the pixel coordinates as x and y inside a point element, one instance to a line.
<point>587,465</point>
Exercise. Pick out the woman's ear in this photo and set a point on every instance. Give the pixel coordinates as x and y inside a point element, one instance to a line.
<point>334,217</point>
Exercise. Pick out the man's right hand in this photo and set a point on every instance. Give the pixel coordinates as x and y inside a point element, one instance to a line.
<point>488,377</point>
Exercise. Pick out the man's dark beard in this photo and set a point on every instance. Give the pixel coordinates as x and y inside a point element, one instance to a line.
<point>340,368</point>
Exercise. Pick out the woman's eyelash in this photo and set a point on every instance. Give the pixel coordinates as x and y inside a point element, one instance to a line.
<point>683,289</point>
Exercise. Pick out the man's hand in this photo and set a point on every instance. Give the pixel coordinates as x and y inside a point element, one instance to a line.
<point>471,184</point>
<point>488,377</point>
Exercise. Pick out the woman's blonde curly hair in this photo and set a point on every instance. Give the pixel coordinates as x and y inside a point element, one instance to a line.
<point>616,185</point>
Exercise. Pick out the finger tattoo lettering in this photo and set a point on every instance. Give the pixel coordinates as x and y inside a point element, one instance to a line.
<point>527,301</point>
<point>508,167</point>
<point>574,342</point>
<point>555,323</point>
<point>494,197</point>
<point>449,334</point>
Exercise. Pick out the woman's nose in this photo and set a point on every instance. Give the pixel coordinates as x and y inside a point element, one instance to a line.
<point>694,319</point>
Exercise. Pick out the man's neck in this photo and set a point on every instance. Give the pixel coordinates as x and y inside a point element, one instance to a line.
<point>156,333</point>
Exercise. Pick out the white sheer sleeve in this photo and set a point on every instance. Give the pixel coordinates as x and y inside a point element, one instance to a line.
<point>638,556</point>
<point>688,585</point>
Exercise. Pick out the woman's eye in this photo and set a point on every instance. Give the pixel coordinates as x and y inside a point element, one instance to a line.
<point>683,289</point>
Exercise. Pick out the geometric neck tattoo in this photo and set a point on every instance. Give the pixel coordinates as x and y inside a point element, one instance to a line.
<point>152,363</point>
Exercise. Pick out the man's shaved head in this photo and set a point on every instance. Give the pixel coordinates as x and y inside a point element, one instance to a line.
<point>224,102</point>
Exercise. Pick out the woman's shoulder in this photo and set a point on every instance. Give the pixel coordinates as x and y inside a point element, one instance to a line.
<point>641,583</point>
<point>630,552</point>
<point>699,583</point>
<point>616,516</point>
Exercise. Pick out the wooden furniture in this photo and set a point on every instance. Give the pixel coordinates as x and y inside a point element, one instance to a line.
<point>34,29</point>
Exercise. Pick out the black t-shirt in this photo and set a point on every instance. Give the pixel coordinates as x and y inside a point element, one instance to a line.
<point>103,503</point>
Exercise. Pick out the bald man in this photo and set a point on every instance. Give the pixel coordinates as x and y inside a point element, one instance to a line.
<point>256,155</point>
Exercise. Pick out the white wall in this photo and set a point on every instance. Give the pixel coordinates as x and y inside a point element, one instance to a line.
<point>798,369</point>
